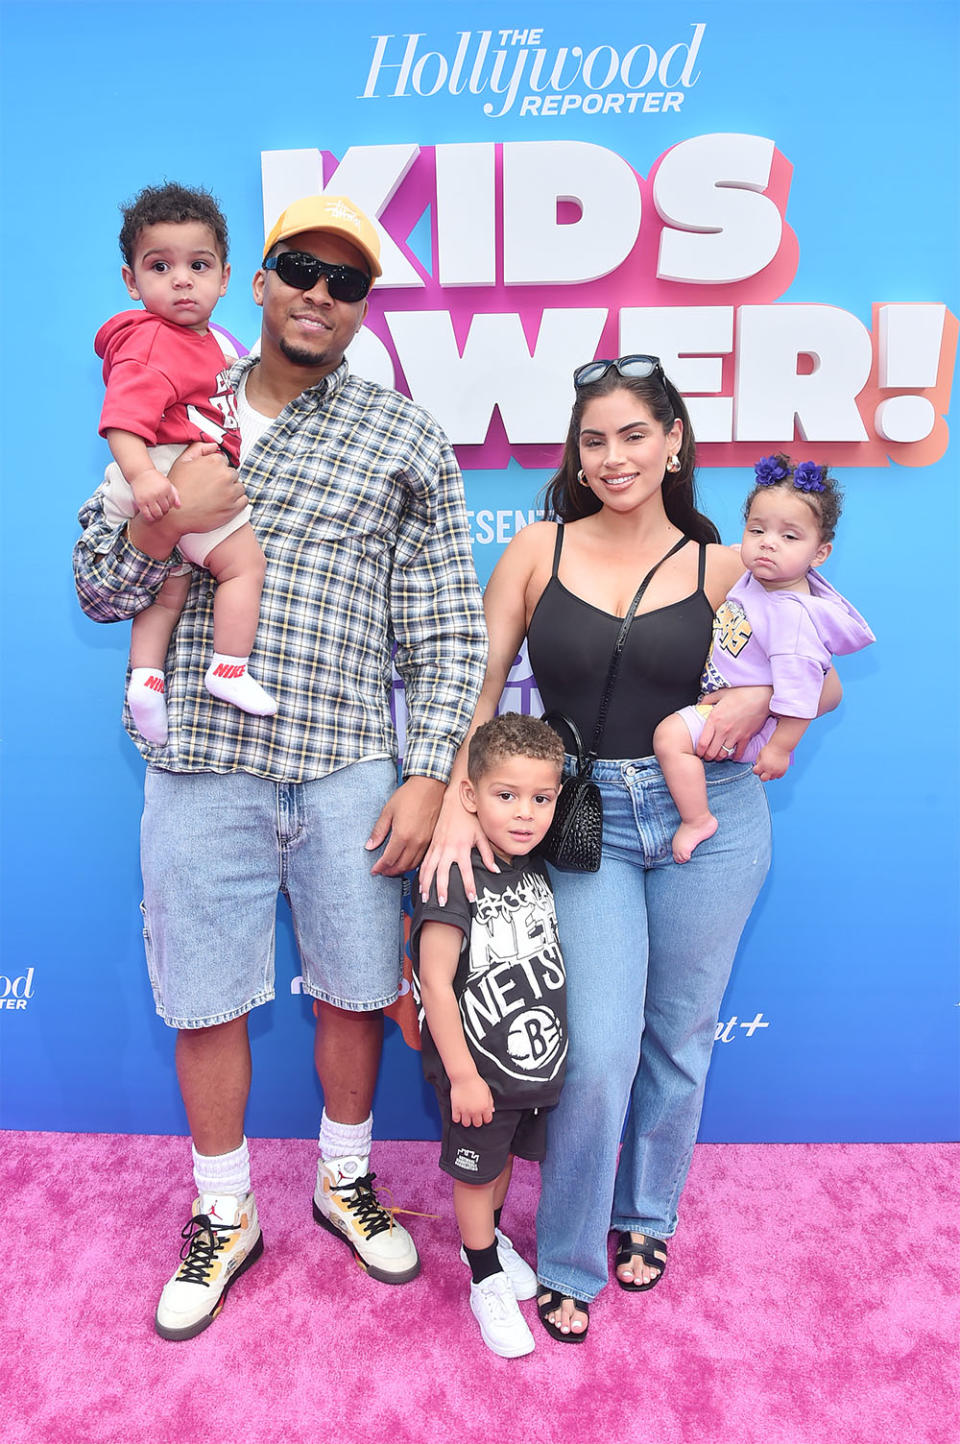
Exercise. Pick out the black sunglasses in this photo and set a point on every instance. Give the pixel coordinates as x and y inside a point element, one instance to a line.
<point>633,367</point>
<point>303,271</point>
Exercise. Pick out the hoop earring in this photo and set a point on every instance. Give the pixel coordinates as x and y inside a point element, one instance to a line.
<point>581,478</point>
<point>673,463</point>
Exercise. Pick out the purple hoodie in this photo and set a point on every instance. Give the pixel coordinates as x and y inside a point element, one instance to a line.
<point>785,638</point>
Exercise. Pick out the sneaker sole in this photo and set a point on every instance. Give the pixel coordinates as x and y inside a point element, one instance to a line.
<point>189,1331</point>
<point>383,1276</point>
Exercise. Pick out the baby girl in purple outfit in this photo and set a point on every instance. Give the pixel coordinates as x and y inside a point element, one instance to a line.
<point>780,626</point>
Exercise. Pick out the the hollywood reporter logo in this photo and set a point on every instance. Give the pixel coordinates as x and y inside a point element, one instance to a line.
<point>15,993</point>
<point>548,79</point>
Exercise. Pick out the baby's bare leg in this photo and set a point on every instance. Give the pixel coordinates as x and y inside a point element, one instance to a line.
<point>149,640</point>
<point>153,627</point>
<point>684,775</point>
<point>238,565</point>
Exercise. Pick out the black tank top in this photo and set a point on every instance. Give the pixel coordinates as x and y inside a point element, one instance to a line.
<point>570,643</point>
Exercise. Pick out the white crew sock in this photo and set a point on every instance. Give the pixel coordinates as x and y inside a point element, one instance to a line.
<point>346,1140</point>
<point>222,1173</point>
<point>146,698</point>
<point>228,679</point>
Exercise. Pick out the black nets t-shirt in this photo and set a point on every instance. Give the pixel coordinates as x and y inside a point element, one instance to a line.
<point>510,982</point>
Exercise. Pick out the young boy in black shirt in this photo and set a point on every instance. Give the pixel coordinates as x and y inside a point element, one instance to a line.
<point>491,986</point>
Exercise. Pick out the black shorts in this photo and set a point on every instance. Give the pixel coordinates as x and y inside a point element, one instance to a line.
<point>479,1155</point>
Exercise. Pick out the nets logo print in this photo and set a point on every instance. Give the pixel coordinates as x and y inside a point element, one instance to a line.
<point>15,993</point>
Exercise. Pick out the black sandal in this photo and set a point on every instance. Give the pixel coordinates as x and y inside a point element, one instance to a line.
<point>653,1252</point>
<point>552,1301</point>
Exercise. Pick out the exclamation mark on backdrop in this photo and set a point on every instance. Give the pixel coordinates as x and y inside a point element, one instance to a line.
<point>911,337</point>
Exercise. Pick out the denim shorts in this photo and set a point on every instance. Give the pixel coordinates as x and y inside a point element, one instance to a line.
<point>217,849</point>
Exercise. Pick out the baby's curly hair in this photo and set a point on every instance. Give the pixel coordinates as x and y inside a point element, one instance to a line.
<point>170,203</point>
<point>813,484</point>
<point>512,735</point>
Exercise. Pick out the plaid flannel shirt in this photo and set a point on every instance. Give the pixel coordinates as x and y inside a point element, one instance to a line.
<point>358,505</point>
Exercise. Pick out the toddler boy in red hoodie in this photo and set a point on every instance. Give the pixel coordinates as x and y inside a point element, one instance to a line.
<point>167,386</point>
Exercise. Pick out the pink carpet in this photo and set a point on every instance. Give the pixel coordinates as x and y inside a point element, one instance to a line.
<point>811,1298</point>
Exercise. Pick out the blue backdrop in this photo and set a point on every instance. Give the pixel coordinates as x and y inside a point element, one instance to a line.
<point>840,1021</point>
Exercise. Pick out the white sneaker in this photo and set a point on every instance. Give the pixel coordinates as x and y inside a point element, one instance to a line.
<point>221,1241</point>
<point>346,1206</point>
<point>502,1325</point>
<point>522,1278</point>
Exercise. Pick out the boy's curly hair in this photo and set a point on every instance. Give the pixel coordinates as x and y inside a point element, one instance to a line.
<point>512,735</point>
<point>170,203</point>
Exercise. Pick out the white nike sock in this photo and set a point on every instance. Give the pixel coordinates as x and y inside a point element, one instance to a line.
<point>228,679</point>
<point>146,698</point>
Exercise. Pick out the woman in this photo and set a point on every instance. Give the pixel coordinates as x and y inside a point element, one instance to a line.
<point>648,944</point>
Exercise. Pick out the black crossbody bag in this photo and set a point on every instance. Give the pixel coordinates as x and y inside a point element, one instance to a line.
<point>574,842</point>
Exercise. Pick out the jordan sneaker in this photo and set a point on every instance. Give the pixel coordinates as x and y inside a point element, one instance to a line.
<point>220,1243</point>
<point>346,1205</point>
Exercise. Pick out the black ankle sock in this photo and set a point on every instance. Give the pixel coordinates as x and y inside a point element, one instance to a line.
<point>496,1216</point>
<point>483,1261</point>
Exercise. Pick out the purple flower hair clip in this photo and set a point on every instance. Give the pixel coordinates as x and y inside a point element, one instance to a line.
<point>808,476</point>
<point>769,470</point>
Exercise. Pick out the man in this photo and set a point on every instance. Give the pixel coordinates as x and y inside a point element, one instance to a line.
<point>358,505</point>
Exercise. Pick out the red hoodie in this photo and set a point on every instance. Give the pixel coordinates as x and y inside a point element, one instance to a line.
<point>166,383</point>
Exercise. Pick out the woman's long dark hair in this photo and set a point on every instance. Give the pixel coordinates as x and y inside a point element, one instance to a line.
<point>564,499</point>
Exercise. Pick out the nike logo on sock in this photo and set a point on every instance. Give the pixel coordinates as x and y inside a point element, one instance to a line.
<point>231,669</point>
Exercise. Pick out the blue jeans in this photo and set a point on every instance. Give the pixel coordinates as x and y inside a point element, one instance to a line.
<point>648,946</point>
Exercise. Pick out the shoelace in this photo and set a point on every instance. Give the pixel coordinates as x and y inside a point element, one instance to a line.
<point>366,1208</point>
<point>496,1300</point>
<point>201,1246</point>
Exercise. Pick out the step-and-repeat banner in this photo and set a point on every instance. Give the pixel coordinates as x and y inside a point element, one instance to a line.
<point>764,196</point>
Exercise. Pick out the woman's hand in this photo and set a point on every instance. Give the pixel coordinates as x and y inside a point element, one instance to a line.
<point>737,714</point>
<point>504,604</point>
<point>456,834</point>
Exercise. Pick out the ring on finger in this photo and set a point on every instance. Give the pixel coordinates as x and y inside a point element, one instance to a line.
<point>728,750</point>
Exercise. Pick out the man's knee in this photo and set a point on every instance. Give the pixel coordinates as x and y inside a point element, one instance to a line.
<point>331,1019</point>
<point>226,1037</point>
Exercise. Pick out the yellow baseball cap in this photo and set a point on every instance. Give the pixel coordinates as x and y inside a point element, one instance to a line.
<point>335,214</point>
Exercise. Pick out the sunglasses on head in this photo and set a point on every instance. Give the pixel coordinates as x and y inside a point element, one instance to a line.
<point>634,368</point>
<point>303,271</point>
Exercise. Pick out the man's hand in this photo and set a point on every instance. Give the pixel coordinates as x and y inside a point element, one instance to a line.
<point>408,820</point>
<point>471,1102</point>
<point>210,495</point>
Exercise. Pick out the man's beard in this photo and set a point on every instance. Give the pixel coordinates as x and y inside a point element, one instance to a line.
<point>308,359</point>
